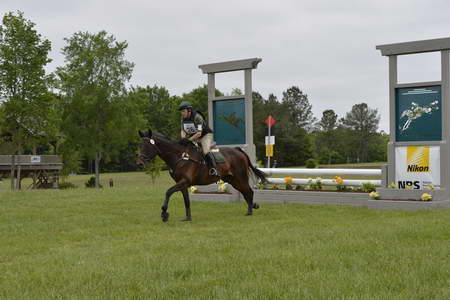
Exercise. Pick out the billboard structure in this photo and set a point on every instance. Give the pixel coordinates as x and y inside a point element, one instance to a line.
<point>231,117</point>
<point>419,145</point>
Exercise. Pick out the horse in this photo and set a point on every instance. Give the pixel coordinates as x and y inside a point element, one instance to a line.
<point>187,168</point>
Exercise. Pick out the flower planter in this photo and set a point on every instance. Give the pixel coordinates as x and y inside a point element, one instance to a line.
<point>353,198</point>
<point>409,199</point>
<point>311,197</point>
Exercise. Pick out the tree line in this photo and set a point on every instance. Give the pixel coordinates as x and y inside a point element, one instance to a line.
<point>85,112</point>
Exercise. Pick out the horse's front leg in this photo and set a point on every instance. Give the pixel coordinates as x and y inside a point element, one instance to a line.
<point>181,185</point>
<point>187,205</point>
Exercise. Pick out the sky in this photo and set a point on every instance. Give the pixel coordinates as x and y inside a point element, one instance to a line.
<point>327,48</point>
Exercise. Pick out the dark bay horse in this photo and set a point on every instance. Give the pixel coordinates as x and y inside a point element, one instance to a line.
<point>188,168</point>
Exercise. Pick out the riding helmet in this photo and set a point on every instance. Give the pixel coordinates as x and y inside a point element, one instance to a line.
<point>185,105</point>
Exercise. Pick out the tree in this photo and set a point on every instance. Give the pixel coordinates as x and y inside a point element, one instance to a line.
<point>300,109</point>
<point>99,117</point>
<point>363,121</point>
<point>328,121</point>
<point>236,92</point>
<point>28,107</point>
<point>160,110</point>
<point>326,140</point>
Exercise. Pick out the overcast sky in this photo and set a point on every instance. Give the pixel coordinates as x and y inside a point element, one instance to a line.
<point>327,48</point>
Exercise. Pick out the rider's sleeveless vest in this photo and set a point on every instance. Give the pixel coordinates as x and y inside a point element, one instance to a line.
<point>195,124</point>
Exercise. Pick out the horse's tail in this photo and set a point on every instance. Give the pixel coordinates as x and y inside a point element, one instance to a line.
<point>258,173</point>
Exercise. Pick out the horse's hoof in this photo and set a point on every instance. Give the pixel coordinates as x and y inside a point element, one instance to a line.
<point>255,205</point>
<point>188,219</point>
<point>249,214</point>
<point>164,216</point>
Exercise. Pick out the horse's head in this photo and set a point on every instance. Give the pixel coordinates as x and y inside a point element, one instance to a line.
<point>147,149</point>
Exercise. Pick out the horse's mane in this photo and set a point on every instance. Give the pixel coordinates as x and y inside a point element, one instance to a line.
<point>160,136</point>
<point>165,139</point>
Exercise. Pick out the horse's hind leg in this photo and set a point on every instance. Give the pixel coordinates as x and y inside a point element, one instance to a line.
<point>247,192</point>
<point>187,205</point>
<point>248,195</point>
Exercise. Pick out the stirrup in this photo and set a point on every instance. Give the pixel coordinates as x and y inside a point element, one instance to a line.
<point>213,172</point>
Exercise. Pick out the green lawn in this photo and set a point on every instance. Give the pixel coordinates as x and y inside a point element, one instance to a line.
<point>111,244</point>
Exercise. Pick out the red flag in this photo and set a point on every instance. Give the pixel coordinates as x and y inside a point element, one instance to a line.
<point>270,121</point>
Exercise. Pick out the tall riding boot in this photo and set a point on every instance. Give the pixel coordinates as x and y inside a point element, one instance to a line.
<point>211,164</point>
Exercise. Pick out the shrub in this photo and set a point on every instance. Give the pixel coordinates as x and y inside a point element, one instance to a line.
<point>261,186</point>
<point>368,187</point>
<point>300,187</point>
<point>91,183</point>
<point>342,188</point>
<point>154,169</point>
<point>66,185</point>
<point>311,163</point>
<point>315,185</point>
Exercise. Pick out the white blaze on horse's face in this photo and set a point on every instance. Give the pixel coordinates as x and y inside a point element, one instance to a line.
<point>148,150</point>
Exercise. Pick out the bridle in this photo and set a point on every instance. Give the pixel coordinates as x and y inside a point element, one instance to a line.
<point>150,141</point>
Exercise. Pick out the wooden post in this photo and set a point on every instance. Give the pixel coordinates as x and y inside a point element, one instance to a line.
<point>13,160</point>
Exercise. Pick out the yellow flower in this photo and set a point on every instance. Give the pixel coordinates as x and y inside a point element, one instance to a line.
<point>193,189</point>
<point>430,187</point>
<point>222,187</point>
<point>374,195</point>
<point>288,179</point>
<point>392,186</point>
<point>338,180</point>
<point>220,182</point>
<point>426,197</point>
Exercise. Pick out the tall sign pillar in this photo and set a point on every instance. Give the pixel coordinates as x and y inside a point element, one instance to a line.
<point>231,117</point>
<point>419,117</point>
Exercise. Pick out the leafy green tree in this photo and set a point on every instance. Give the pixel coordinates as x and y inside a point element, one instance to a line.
<point>159,108</point>
<point>363,121</point>
<point>297,103</point>
<point>293,146</point>
<point>236,92</point>
<point>326,140</point>
<point>99,118</point>
<point>328,121</point>
<point>28,107</point>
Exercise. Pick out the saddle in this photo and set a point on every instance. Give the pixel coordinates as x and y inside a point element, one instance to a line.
<point>196,147</point>
<point>214,150</point>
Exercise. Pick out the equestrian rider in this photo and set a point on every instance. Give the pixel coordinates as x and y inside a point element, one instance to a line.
<point>194,128</point>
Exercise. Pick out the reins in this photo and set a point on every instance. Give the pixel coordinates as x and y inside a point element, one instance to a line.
<point>184,155</point>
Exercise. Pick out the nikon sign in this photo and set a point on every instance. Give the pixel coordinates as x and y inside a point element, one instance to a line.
<point>417,166</point>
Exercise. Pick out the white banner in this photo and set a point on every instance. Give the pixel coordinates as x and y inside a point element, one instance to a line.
<point>270,140</point>
<point>417,167</point>
<point>35,159</point>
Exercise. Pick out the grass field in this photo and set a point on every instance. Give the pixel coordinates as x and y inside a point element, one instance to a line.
<point>111,244</point>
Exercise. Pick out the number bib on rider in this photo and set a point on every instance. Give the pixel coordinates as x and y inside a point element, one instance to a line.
<point>189,128</point>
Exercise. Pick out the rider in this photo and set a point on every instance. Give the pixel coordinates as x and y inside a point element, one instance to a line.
<point>194,128</point>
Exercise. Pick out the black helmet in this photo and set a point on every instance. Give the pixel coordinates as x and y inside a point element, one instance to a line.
<point>184,105</point>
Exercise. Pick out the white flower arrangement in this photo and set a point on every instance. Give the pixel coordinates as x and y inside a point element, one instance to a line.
<point>222,186</point>
<point>374,195</point>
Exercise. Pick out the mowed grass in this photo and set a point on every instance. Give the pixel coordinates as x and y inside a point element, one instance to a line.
<point>111,244</point>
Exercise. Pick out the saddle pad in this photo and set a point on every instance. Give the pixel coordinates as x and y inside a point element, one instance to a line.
<point>218,157</point>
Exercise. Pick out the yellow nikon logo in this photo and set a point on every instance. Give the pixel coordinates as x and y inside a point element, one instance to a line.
<point>418,159</point>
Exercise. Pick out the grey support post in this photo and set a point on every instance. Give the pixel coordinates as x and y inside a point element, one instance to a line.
<point>232,115</point>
